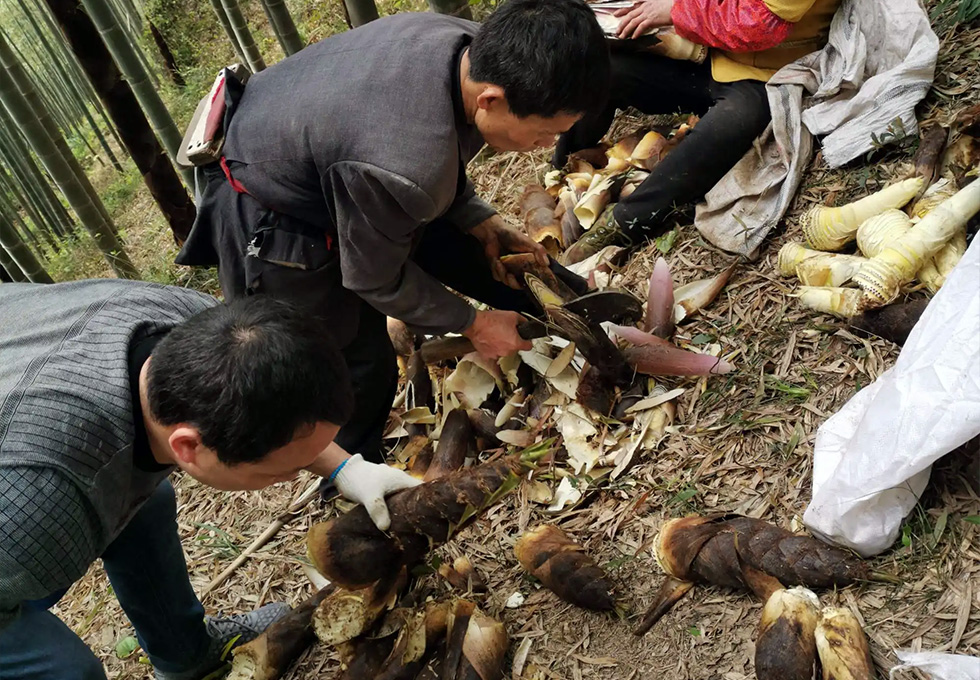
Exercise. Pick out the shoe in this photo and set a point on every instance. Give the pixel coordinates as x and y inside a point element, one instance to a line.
<point>226,633</point>
<point>604,232</point>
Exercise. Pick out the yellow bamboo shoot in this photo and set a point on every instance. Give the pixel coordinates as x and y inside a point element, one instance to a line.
<point>949,255</point>
<point>830,269</point>
<point>791,255</point>
<point>875,233</point>
<point>930,276</point>
<point>882,275</point>
<point>933,197</point>
<point>832,228</point>
<point>842,302</point>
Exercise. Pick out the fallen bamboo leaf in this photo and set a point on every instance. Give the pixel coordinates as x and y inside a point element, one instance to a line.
<point>566,494</point>
<point>657,400</point>
<point>691,298</point>
<point>786,648</point>
<point>418,637</point>
<point>539,492</point>
<point>843,647</point>
<point>564,568</point>
<point>520,658</point>
<point>539,359</point>
<point>660,301</point>
<point>561,361</point>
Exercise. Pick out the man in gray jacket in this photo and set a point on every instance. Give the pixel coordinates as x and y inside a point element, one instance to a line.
<point>343,185</point>
<point>106,388</point>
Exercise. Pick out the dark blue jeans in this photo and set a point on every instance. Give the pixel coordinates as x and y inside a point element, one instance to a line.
<point>148,573</point>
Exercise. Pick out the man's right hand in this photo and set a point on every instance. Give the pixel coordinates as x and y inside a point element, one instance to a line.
<point>494,333</point>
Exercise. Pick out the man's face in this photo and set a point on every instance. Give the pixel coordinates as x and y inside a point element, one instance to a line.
<point>504,131</point>
<point>280,465</point>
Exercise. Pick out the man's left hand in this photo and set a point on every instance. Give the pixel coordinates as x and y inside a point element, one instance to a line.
<point>642,17</point>
<point>368,483</point>
<point>498,238</point>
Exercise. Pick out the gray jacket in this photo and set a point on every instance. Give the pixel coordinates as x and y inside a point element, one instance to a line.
<point>68,482</point>
<point>364,136</point>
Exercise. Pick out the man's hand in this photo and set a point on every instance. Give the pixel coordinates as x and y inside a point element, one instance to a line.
<point>642,17</point>
<point>368,483</point>
<point>494,333</point>
<point>500,239</point>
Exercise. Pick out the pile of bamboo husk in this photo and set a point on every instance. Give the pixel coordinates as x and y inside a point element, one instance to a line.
<point>592,182</point>
<point>911,233</point>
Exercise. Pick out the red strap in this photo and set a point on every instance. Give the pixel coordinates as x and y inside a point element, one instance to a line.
<point>235,184</point>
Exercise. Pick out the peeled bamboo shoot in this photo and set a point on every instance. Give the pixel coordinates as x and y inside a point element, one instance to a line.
<point>832,228</point>
<point>830,269</point>
<point>875,233</point>
<point>881,277</point>
<point>791,255</point>
<point>842,302</point>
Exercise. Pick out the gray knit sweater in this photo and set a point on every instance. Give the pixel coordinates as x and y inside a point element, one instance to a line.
<point>68,484</point>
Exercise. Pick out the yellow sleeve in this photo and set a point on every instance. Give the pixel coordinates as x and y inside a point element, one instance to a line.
<point>789,10</point>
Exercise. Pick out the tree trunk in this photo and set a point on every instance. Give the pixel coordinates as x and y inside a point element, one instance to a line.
<point>119,100</point>
<point>457,8</point>
<point>76,188</point>
<point>243,35</point>
<point>283,26</point>
<point>359,12</point>
<point>168,56</point>
<point>9,271</point>
<point>21,254</point>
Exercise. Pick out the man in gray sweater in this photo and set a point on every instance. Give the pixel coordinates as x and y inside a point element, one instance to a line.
<point>108,386</point>
<point>344,187</point>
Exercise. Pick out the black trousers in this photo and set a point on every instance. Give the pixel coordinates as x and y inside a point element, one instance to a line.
<point>732,116</point>
<point>454,258</point>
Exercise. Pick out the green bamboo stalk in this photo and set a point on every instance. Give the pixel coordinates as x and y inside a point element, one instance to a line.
<point>76,188</point>
<point>58,62</point>
<point>457,8</point>
<point>68,59</point>
<point>125,56</point>
<point>9,271</point>
<point>25,87</point>
<point>9,187</point>
<point>9,240</point>
<point>219,10</point>
<point>244,36</point>
<point>29,177</point>
<point>131,30</point>
<point>283,26</point>
<point>360,12</point>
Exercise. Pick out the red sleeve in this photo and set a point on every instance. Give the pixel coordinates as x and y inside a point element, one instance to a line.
<point>733,25</point>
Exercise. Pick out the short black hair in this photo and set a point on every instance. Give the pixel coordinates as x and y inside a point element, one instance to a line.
<point>249,375</point>
<point>549,56</point>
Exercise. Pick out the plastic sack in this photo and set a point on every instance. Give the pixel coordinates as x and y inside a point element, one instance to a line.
<point>872,459</point>
<point>939,666</point>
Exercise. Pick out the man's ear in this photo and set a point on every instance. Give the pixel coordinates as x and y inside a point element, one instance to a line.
<point>185,441</point>
<point>492,96</point>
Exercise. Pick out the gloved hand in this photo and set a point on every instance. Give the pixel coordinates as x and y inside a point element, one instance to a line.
<point>368,483</point>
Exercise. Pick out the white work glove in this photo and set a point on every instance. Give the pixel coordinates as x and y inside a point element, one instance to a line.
<point>368,483</point>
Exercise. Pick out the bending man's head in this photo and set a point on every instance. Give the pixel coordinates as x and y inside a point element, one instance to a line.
<point>249,392</point>
<point>535,67</point>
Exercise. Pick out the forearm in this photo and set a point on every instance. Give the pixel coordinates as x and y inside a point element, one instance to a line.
<point>329,460</point>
